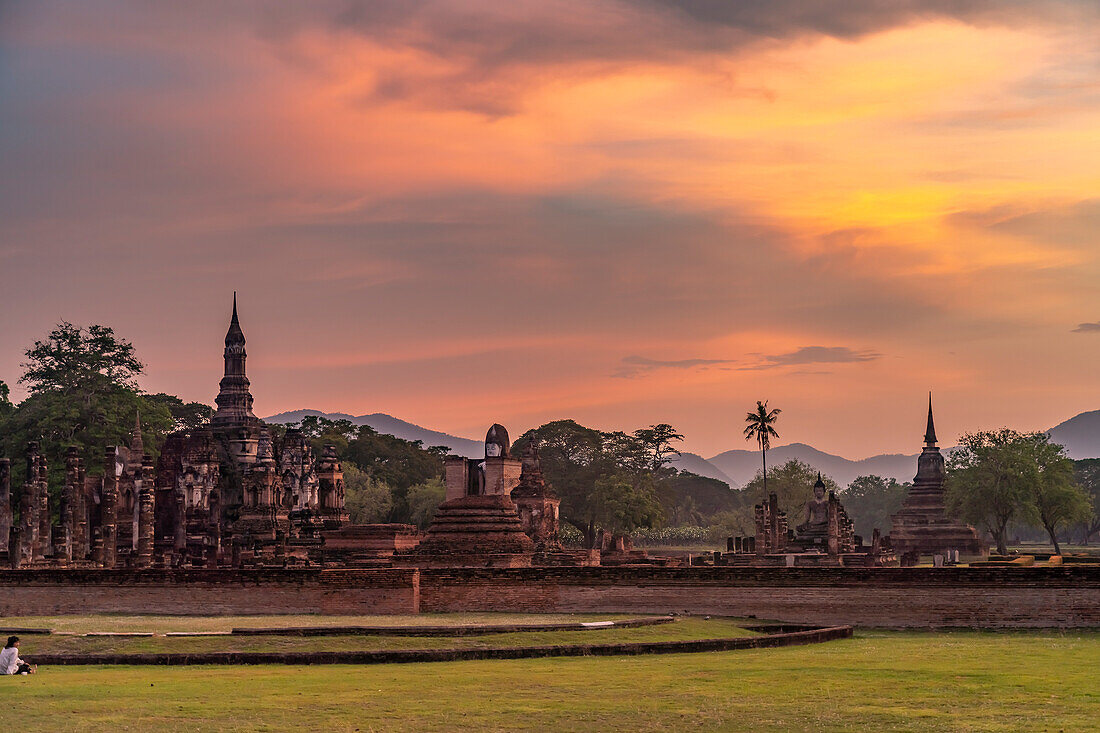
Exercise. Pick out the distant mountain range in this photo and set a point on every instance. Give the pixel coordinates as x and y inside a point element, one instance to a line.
<point>1080,435</point>
<point>390,425</point>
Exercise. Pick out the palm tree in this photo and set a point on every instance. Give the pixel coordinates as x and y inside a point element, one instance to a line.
<point>760,427</point>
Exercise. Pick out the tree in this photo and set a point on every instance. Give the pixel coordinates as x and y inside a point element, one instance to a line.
<point>321,432</point>
<point>185,415</point>
<point>689,499</point>
<point>6,407</point>
<point>605,480</point>
<point>1087,474</point>
<point>81,362</point>
<point>624,501</point>
<point>793,485</point>
<point>423,499</point>
<point>83,393</point>
<point>657,441</point>
<point>368,500</point>
<point>871,500</point>
<point>397,463</point>
<point>385,460</point>
<point>760,427</point>
<point>991,479</point>
<point>1056,500</point>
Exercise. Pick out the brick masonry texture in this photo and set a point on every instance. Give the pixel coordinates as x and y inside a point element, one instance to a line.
<point>208,592</point>
<point>1067,597</point>
<point>879,597</point>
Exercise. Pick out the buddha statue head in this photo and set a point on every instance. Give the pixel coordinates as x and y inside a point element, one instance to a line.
<point>496,442</point>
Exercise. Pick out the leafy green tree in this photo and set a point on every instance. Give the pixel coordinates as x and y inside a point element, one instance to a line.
<point>81,363</point>
<point>423,499</point>
<point>606,480</point>
<point>185,415</point>
<point>761,428</point>
<point>656,441</point>
<point>623,501</point>
<point>995,477</point>
<point>1087,474</point>
<point>368,500</point>
<point>6,407</point>
<point>793,485</point>
<point>83,393</point>
<point>397,463</point>
<point>1056,500</point>
<point>871,500</point>
<point>689,499</point>
<point>321,432</point>
<point>740,522</point>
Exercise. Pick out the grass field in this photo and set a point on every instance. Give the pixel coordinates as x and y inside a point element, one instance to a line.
<point>685,629</point>
<point>876,681</point>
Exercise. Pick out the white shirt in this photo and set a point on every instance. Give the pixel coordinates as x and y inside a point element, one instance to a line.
<point>9,660</point>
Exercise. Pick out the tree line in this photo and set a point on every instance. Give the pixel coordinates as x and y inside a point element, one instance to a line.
<point>83,391</point>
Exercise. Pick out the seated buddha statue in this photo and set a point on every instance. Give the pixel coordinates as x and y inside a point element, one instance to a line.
<point>817,515</point>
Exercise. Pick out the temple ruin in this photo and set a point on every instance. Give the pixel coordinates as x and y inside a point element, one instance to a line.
<point>234,492</point>
<point>237,492</point>
<point>922,527</point>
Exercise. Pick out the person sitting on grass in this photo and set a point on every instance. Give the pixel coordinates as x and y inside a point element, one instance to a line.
<point>10,663</point>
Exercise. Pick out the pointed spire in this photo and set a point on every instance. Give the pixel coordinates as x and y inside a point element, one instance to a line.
<point>930,432</point>
<point>235,335</point>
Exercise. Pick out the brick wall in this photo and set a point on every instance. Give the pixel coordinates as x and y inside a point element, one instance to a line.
<point>209,592</point>
<point>884,597</point>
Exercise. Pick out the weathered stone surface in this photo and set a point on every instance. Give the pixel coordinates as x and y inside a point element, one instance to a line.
<point>108,528</point>
<point>537,504</point>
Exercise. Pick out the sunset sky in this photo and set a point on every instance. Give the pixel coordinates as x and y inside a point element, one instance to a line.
<point>468,212</point>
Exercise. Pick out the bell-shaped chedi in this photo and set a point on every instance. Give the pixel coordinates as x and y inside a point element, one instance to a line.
<point>922,525</point>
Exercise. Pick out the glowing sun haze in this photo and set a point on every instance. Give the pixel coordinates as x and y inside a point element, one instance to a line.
<point>461,213</point>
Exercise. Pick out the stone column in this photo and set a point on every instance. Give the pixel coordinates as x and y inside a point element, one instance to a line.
<point>28,524</point>
<point>45,519</point>
<point>80,514</point>
<point>145,513</point>
<point>5,501</point>
<point>109,509</point>
<point>833,529</point>
<point>63,538</point>
<point>28,507</point>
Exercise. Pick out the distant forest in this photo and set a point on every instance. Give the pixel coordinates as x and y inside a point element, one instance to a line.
<point>83,392</point>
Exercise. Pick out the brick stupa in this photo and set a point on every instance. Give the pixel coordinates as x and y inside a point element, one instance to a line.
<point>478,525</point>
<point>922,525</point>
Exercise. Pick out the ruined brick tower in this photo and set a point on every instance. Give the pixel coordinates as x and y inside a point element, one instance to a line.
<point>234,399</point>
<point>922,525</point>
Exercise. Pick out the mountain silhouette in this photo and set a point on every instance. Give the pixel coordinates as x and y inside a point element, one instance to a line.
<point>1080,435</point>
<point>391,425</point>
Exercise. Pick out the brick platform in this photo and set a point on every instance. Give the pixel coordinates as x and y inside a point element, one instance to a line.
<point>1065,597</point>
<point>209,592</point>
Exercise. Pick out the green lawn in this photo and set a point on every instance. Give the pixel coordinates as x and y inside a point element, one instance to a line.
<point>876,681</point>
<point>686,629</point>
